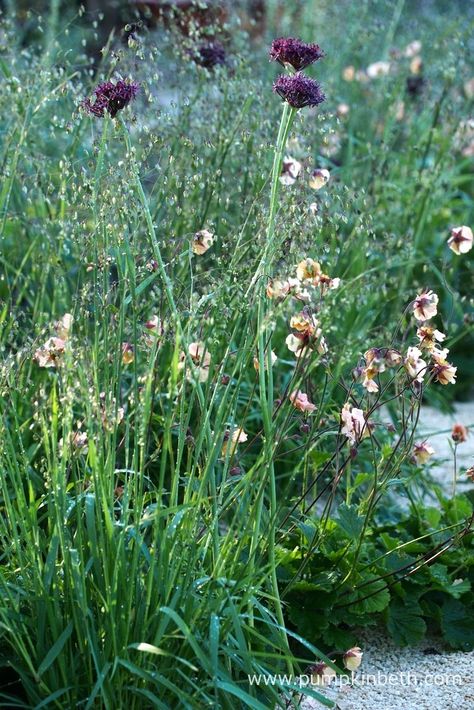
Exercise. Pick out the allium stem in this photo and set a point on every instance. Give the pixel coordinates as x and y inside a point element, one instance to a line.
<point>265,363</point>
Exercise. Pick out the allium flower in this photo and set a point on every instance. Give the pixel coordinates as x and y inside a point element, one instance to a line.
<point>425,305</point>
<point>291,168</point>
<point>352,658</point>
<point>321,674</point>
<point>354,423</point>
<point>288,50</point>
<point>461,239</point>
<point>459,433</point>
<point>202,241</point>
<point>128,355</point>
<point>50,353</point>
<point>377,69</point>
<point>209,54</point>
<point>422,452</point>
<point>414,364</point>
<point>429,336</point>
<point>300,401</point>
<point>238,436</point>
<point>298,90</point>
<point>319,178</point>
<point>111,98</point>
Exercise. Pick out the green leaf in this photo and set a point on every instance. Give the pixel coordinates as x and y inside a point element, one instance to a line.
<point>55,650</point>
<point>378,598</point>
<point>350,521</point>
<point>405,622</point>
<point>457,623</point>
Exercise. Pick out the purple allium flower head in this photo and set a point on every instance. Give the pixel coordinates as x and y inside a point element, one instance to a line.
<point>298,90</point>
<point>209,54</point>
<point>111,97</point>
<point>288,50</point>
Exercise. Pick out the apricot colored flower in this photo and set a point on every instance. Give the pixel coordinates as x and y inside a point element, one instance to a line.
<point>354,423</point>
<point>422,452</point>
<point>429,336</point>
<point>231,440</point>
<point>461,240</point>
<point>425,305</point>
<point>202,241</point>
<point>50,353</point>
<point>459,433</point>
<point>352,658</point>
<point>319,178</point>
<point>290,170</point>
<point>300,401</point>
<point>128,355</point>
<point>414,364</point>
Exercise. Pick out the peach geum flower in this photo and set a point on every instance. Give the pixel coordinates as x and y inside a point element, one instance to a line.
<point>422,452</point>
<point>354,423</point>
<point>231,440</point>
<point>459,433</point>
<point>319,178</point>
<point>352,658</point>
<point>425,305</point>
<point>50,353</point>
<point>429,336</point>
<point>202,241</point>
<point>414,364</point>
<point>201,359</point>
<point>290,170</point>
<point>300,401</point>
<point>461,239</point>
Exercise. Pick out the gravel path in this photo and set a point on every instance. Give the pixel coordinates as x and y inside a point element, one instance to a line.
<point>425,677</point>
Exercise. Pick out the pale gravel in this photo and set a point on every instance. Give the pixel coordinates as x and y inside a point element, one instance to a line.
<point>380,653</point>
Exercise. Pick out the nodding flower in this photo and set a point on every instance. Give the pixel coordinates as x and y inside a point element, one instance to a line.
<point>298,54</point>
<point>298,90</point>
<point>209,54</point>
<point>111,98</point>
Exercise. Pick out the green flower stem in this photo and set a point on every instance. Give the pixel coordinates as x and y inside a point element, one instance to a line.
<point>265,364</point>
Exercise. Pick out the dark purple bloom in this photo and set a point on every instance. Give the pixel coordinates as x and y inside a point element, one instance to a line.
<point>298,90</point>
<point>111,97</point>
<point>209,54</point>
<point>288,50</point>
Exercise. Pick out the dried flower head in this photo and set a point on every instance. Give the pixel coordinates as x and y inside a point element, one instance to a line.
<point>422,452</point>
<point>202,241</point>
<point>319,178</point>
<point>459,433</point>
<point>352,658</point>
<point>298,54</point>
<point>111,98</point>
<point>290,170</point>
<point>425,305</point>
<point>298,90</point>
<point>461,239</point>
